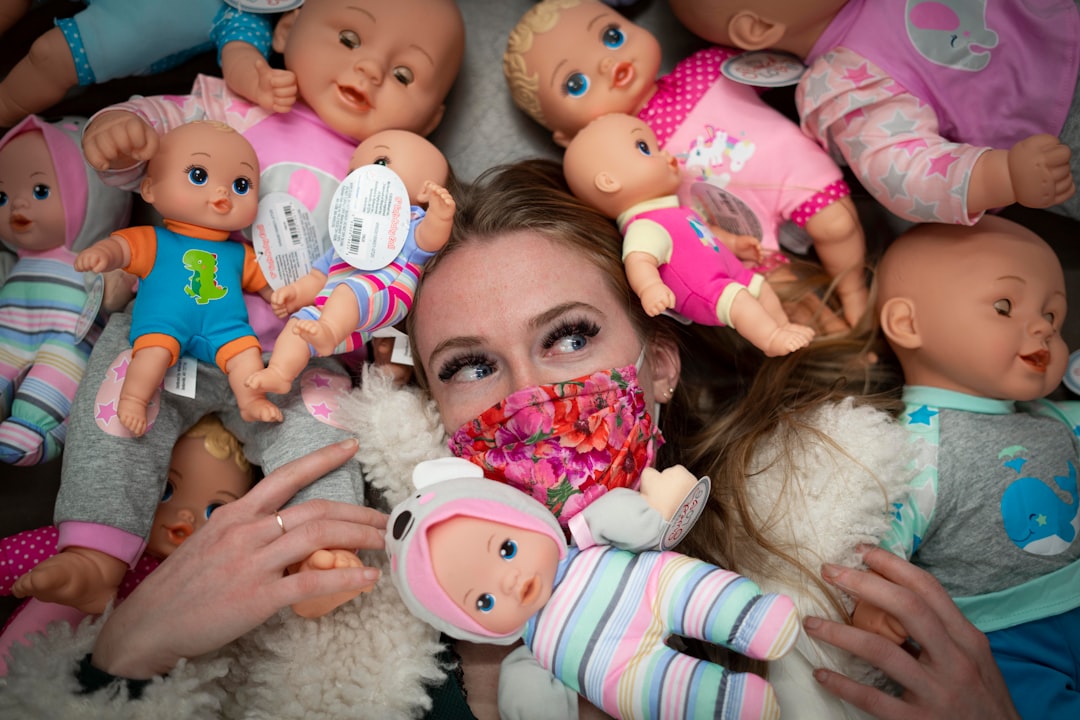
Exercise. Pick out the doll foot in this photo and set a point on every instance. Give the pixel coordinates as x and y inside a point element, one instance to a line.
<point>787,339</point>
<point>318,335</point>
<point>260,410</point>
<point>269,380</point>
<point>132,413</point>
<point>78,577</point>
<point>325,560</point>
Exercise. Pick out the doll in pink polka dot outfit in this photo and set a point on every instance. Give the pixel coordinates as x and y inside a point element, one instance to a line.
<point>570,61</point>
<point>208,469</point>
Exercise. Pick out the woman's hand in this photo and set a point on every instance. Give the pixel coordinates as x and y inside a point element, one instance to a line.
<point>229,577</point>
<point>953,676</point>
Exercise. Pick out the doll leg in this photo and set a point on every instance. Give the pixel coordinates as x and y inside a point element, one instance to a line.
<point>325,560</point>
<point>841,247</point>
<point>290,356</point>
<point>37,425</point>
<point>252,402</point>
<point>144,375</point>
<point>39,80</point>
<point>340,316</point>
<point>751,319</point>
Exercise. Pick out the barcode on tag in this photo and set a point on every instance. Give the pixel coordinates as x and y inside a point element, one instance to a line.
<point>290,224</point>
<point>356,235</point>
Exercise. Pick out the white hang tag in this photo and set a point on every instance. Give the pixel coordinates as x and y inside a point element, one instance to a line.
<point>687,515</point>
<point>1072,373</point>
<point>402,353</point>
<point>95,291</point>
<point>764,68</point>
<point>265,6</point>
<point>180,378</point>
<point>285,239</point>
<point>369,217</point>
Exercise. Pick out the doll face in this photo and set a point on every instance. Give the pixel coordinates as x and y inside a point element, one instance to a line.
<point>989,319</point>
<point>616,162</point>
<point>499,574</point>
<point>197,484</point>
<point>31,211</point>
<point>413,158</point>
<point>593,62</point>
<point>516,311</point>
<point>368,65</point>
<point>204,175</point>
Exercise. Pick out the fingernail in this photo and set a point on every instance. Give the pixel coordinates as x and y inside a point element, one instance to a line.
<point>821,675</point>
<point>830,572</point>
<point>371,574</point>
<point>349,444</point>
<point>811,623</point>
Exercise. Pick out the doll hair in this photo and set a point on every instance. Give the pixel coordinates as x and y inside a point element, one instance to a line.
<point>219,442</point>
<point>524,85</point>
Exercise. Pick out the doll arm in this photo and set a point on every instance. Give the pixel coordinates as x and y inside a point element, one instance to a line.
<point>433,230</point>
<point>841,247</point>
<point>528,691</point>
<point>643,272</point>
<point>112,253</point>
<point>1034,173</point>
<point>297,294</point>
<point>249,75</point>
<point>117,139</point>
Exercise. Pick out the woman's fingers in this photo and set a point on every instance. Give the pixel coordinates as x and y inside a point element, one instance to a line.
<point>297,544</point>
<point>275,489</point>
<point>866,698</point>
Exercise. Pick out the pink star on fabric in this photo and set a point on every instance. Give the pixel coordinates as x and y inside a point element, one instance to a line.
<point>910,146</point>
<point>321,410</point>
<point>121,369</point>
<point>106,412</point>
<point>941,165</point>
<point>320,380</point>
<point>859,75</point>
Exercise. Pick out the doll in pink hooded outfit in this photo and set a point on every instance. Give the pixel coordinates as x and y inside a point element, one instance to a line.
<point>51,206</point>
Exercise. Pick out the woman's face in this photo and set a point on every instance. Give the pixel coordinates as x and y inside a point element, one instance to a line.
<point>520,311</point>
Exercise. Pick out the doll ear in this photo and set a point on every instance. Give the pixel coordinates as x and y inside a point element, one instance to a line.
<point>561,139</point>
<point>146,190</point>
<point>282,29</point>
<point>750,31</point>
<point>607,183</point>
<point>899,324</point>
<point>429,472</point>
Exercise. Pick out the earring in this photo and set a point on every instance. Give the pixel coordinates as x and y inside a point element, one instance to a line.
<point>670,392</point>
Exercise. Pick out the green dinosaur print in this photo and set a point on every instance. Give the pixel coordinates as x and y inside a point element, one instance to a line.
<point>203,285</point>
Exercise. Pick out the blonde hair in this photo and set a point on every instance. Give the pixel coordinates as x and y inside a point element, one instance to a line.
<point>524,86</point>
<point>218,441</point>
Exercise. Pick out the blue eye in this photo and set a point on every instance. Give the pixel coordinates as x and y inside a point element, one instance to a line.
<point>643,148</point>
<point>41,192</point>
<point>167,495</point>
<point>612,37</point>
<point>198,175</point>
<point>241,186</point>
<point>508,550</point>
<point>3,199</point>
<point>485,603</point>
<point>466,368</point>
<point>211,508</point>
<point>577,84</point>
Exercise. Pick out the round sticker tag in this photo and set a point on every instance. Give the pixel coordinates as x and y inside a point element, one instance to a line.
<point>1072,373</point>
<point>688,513</point>
<point>265,6</point>
<point>285,239</point>
<point>95,290</point>
<point>369,217</point>
<point>764,68</point>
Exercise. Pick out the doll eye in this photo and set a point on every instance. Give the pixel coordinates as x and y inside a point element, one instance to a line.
<point>241,186</point>
<point>211,508</point>
<point>643,148</point>
<point>403,75</point>
<point>382,160</point>
<point>1049,317</point>
<point>485,603</point>
<point>508,550</point>
<point>349,39</point>
<point>167,495</point>
<point>577,84</point>
<point>3,199</point>
<point>612,37</point>
<point>41,192</point>
<point>1003,307</point>
<point>198,175</point>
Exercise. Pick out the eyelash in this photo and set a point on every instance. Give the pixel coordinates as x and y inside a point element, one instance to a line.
<point>583,327</point>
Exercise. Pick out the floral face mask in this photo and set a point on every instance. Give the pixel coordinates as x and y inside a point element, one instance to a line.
<point>565,444</point>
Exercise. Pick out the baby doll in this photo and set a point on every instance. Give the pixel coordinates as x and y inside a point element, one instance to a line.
<point>207,470</point>
<point>958,115</point>
<point>672,259</point>
<point>335,307</point>
<point>352,82</point>
<point>593,616</point>
<point>51,206</point>
<point>570,61</point>
<point>113,38</point>
<point>204,180</point>
<point>974,315</point>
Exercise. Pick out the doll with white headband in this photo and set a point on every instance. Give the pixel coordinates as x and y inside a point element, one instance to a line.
<point>593,615</point>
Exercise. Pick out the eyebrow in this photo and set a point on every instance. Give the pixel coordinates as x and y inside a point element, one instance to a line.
<point>200,152</point>
<point>230,493</point>
<point>245,162</point>
<point>423,52</point>
<point>601,16</point>
<point>362,10</point>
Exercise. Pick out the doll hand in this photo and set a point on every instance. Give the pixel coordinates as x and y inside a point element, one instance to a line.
<point>277,89</point>
<point>325,560</point>
<point>96,258</point>
<point>744,247</point>
<point>281,301</point>
<point>666,490</point>
<point>873,619</point>
<point>440,202</point>
<point>1039,171</point>
<point>657,298</point>
<point>118,139</point>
